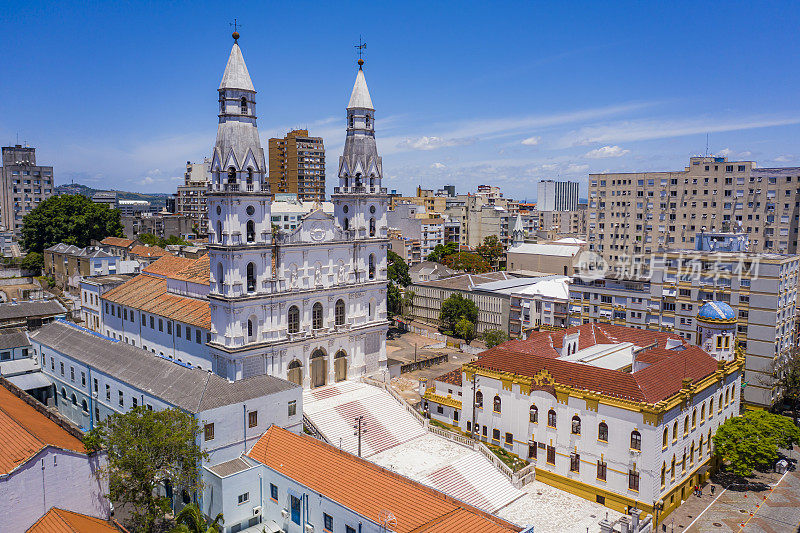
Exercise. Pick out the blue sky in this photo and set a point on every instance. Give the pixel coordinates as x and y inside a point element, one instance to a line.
<point>122,94</point>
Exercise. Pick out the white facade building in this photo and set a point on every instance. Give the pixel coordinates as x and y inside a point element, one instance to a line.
<point>557,195</point>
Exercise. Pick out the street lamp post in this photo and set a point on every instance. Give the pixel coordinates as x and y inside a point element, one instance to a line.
<point>359,431</point>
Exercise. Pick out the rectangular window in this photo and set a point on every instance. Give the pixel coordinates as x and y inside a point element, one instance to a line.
<point>327,522</point>
<point>198,336</point>
<point>160,325</point>
<point>295,508</point>
<point>208,432</point>
<point>125,313</point>
<point>348,529</point>
<point>169,327</point>
<point>252,419</point>
<point>496,435</point>
<point>532,451</point>
<point>152,322</point>
<point>177,330</point>
<point>95,384</point>
<point>72,373</point>
<point>293,408</point>
<point>244,498</point>
<point>108,393</point>
<point>273,491</point>
<point>188,333</point>
<point>134,402</point>
<point>575,462</point>
<point>83,379</point>
<point>633,480</point>
<point>551,455</point>
<point>601,470</point>
<point>509,438</point>
<point>121,399</point>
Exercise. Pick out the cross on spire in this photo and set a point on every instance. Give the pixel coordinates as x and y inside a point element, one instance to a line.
<point>361,46</point>
<point>236,27</point>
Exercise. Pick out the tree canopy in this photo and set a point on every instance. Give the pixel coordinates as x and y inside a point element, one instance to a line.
<point>491,250</point>
<point>493,337</point>
<point>398,270</point>
<point>394,304</point>
<point>34,262</point>
<point>152,240</point>
<point>468,262</point>
<point>786,375</point>
<point>143,449</point>
<point>192,520</point>
<point>752,440</point>
<point>71,219</point>
<point>440,251</point>
<point>465,329</point>
<point>455,308</point>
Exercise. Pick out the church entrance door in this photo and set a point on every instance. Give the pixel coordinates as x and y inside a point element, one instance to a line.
<point>340,366</point>
<point>295,374</point>
<point>319,368</point>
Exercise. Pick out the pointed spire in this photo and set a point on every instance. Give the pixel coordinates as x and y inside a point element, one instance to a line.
<point>518,224</point>
<point>359,98</point>
<point>236,75</point>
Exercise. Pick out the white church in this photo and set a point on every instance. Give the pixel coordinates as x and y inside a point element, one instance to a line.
<point>308,305</point>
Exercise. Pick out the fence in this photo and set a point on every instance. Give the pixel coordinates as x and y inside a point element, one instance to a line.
<point>309,425</point>
<point>472,350</point>
<point>423,363</point>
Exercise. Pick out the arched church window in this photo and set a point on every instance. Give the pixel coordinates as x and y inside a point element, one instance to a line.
<point>250,210</point>
<point>534,414</point>
<point>479,399</point>
<point>250,175</point>
<point>350,118</point>
<point>251,277</point>
<point>367,118</point>
<point>371,227</point>
<point>251,231</point>
<point>220,274</point>
<point>636,440</point>
<point>551,418</point>
<point>372,209</point>
<point>371,266</point>
<point>294,319</point>
<point>346,224</point>
<point>339,313</point>
<point>231,175</point>
<point>346,208</point>
<point>219,231</point>
<point>316,316</point>
<point>576,425</point>
<point>358,180</point>
<point>244,105</point>
<point>250,329</point>
<point>497,404</point>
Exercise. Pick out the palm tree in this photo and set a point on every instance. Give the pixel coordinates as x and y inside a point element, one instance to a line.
<point>191,520</point>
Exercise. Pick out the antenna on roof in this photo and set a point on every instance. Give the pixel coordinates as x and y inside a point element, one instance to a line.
<point>706,144</point>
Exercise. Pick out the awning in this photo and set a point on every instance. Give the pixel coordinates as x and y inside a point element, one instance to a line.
<point>34,380</point>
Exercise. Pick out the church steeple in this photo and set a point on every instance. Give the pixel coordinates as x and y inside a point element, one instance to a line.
<point>360,166</point>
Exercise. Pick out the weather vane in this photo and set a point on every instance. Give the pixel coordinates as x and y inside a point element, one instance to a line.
<point>236,27</point>
<point>361,46</point>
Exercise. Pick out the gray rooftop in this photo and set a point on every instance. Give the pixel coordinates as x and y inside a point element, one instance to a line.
<point>191,389</point>
<point>231,467</point>
<point>13,338</point>
<point>37,308</point>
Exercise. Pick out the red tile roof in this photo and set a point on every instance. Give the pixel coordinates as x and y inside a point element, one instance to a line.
<point>181,268</point>
<point>117,241</point>
<point>148,251</point>
<point>367,488</point>
<point>60,521</point>
<point>149,294</point>
<point>26,431</point>
<point>658,381</point>
<point>453,377</point>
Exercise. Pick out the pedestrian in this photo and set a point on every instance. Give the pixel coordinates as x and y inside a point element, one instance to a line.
<point>712,489</point>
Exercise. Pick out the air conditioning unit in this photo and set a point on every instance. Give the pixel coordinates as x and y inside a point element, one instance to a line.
<point>285,514</point>
<point>309,528</point>
<point>257,511</point>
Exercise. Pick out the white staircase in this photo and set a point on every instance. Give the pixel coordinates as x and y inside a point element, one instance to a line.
<point>394,439</point>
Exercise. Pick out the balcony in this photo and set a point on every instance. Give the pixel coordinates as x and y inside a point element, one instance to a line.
<point>359,190</point>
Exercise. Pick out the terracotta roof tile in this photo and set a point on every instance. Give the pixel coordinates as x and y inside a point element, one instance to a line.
<point>453,377</point>
<point>367,488</point>
<point>658,381</point>
<point>25,432</point>
<point>149,294</point>
<point>149,251</point>
<point>181,268</point>
<point>117,241</point>
<point>60,521</point>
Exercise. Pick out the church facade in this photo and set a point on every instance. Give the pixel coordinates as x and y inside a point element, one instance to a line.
<point>308,305</point>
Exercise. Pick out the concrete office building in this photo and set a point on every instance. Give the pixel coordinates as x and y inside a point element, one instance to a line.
<point>24,185</point>
<point>108,198</point>
<point>636,214</point>
<point>557,195</point>
<point>297,165</point>
<point>191,196</point>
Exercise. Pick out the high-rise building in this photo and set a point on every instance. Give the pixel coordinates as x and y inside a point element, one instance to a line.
<point>297,165</point>
<point>191,197</point>
<point>25,185</point>
<point>632,215</point>
<point>557,195</point>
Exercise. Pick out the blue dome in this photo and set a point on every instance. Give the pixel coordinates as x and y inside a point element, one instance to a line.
<point>716,312</point>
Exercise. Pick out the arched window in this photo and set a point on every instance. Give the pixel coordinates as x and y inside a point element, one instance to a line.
<point>551,418</point>
<point>346,225</point>
<point>700,449</point>
<point>64,393</point>
<point>350,120</point>
<point>220,275</point>
<point>219,231</point>
<point>694,418</point>
<point>221,104</point>
<point>479,399</point>
<point>534,414</point>
<point>244,105</point>
<point>251,231</point>
<point>316,316</point>
<point>691,454</point>
<point>666,438</point>
<point>371,310</point>
<point>294,319</point>
<point>663,474</point>
<point>74,400</point>
<point>686,425</point>
<point>672,468</point>
<point>711,407</point>
<point>727,400</point>
<point>372,227</point>
<point>497,404</point>
<point>719,403</point>
<point>249,175</point>
<point>250,329</point>
<point>371,266</point>
<point>636,440</point>
<point>367,119</point>
<point>339,313</point>
<point>251,277</point>
<point>702,413</point>
<point>576,425</point>
<point>231,175</point>
<point>84,406</point>
<point>602,432</point>
<point>709,441</point>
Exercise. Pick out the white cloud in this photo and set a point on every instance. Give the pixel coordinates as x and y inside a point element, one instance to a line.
<point>725,152</point>
<point>147,180</point>
<point>576,169</point>
<point>606,151</point>
<point>784,158</point>
<point>438,165</point>
<point>432,143</point>
<point>531,141</point>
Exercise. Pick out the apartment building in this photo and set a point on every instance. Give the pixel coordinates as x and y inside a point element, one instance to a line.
<point>297,165</point>
<point>632,215</point>
<point>418,230</point>
<point>554,224</point>
<point>24,185</point>
<point>68,264</point>
<point>288,211</point>
<point>557,195</point>
<point>191,196</point>
<point>542,303</point>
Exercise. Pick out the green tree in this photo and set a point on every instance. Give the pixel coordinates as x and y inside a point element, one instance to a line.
<point>34,262</point>
<point>491,250</point>
<point>468,262</point>
<point>440,251</point>
<point>398,270</point>
<point>455,308</point>
<point>786,376</point>
<point>752,440</point>
<point>191,520</point>
<point>493,337</point>
<point>153,240</point>
<point>143,449</point>
<point>408,302</point>
<point>393,300</point>
<point>465,329</point>
<point>71,219</point>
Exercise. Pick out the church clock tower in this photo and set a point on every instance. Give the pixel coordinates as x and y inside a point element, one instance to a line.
<point>240,231</point>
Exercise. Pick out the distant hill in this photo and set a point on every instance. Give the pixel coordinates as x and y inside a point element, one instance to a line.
<point>157,200</point>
